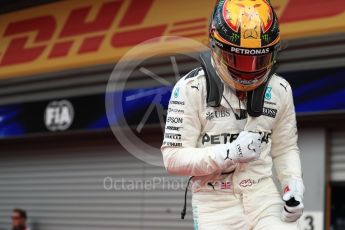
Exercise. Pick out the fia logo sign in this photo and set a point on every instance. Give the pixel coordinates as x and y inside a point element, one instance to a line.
<point>59,115</point>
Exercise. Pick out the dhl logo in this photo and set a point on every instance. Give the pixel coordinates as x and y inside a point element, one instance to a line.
<point>78,33</point>
<point>94,32</point>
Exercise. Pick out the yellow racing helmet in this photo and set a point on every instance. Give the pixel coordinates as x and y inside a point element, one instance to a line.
<point>244,38</point>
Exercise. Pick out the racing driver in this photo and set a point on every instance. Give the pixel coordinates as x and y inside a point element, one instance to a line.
<point>227,149</point>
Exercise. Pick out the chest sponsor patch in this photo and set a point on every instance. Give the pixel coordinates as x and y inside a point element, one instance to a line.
<point>175,120</point>
<point>174,128</point>
<point>217,114</point>
<point>223,138</point>
<point>269,112</point>
<point>270,103</point>
<point>173,110</point>
<point>172,144</point>
<point>173,136</point>
<point>176,102</point>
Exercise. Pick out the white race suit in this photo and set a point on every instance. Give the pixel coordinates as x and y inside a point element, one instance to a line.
<point>243,196</point>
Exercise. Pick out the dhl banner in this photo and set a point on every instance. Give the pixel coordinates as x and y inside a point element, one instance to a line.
<point>81,33</point>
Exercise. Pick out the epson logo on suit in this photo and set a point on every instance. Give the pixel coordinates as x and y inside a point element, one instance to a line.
<point>175,120</point>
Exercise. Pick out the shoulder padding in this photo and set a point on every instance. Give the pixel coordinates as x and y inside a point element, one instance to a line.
<point>281,83</point>
<point>193,73</point>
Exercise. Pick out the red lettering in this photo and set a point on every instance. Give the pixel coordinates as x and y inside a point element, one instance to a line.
<point>299,10</point>
<point>77,24</point>
<point>134,37</point>
<point>16,51</point>
<point>44,25</point>
<point>91,44</point>
<point>60,49</point>
<point>136,13</point>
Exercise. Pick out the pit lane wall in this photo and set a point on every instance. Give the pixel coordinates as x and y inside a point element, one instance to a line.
<point>81,33</point>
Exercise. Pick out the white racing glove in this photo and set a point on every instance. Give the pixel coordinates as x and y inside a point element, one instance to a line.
<point>293,197</point>
<point>244,149</point>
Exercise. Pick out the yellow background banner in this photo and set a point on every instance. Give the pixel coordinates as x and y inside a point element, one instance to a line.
<point>82,33</point>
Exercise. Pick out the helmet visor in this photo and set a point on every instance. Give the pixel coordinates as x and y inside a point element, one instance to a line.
<point>243,72</point>
<point>245,63</point>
